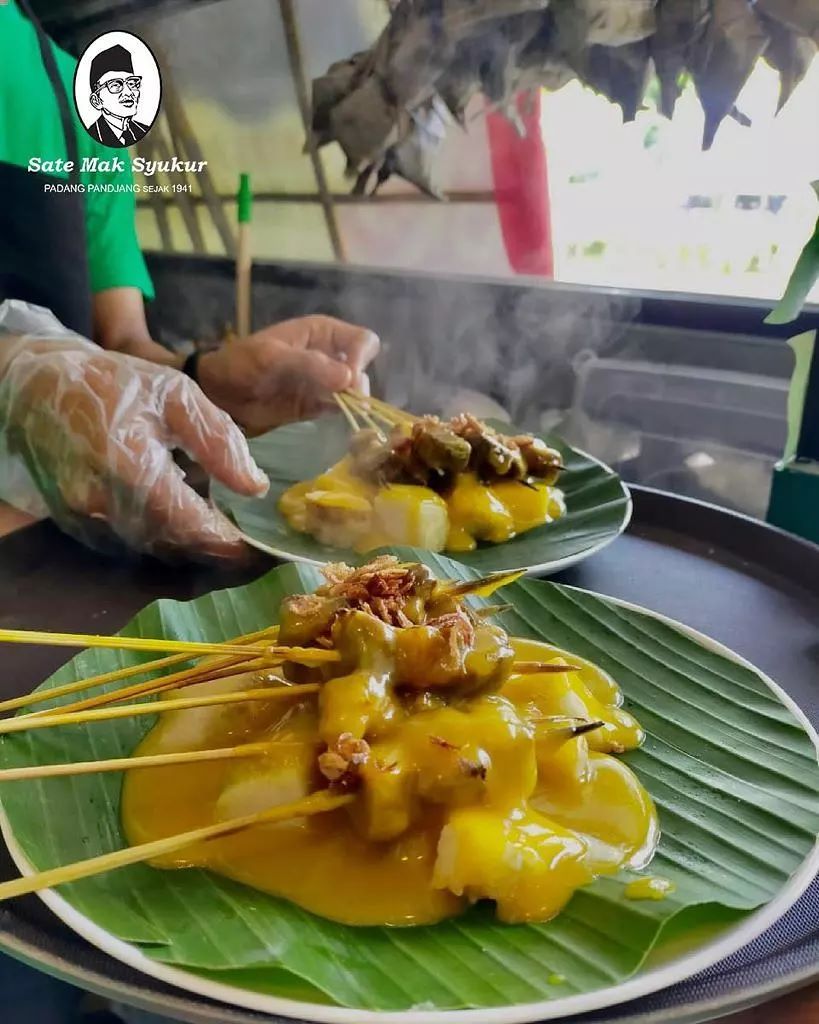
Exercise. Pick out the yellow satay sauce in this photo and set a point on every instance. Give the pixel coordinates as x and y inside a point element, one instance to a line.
<point>460,800</point>
<point>343,510</point>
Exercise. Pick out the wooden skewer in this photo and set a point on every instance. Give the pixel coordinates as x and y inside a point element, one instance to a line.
<point>531,668</point>
<point>39,696</point>
<point>385,407</point>
<point>371,413</point>
<point>46,721</point>
<point>316,803</point>
<point>176,681</point>
<point>482,587</point>
<point>354,426</point>
<point>363,412</point>
<point>384,418</point>
<point>491,610</point>
<point>126,764</point>
<point>569,727</point>
<point>244,259</point>
<point>120,643</point>
<point>143,668</point>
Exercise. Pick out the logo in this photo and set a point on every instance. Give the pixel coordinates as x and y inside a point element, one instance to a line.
<point>117,89</point>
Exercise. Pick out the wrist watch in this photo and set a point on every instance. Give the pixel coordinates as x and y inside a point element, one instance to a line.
<point>191,365</point>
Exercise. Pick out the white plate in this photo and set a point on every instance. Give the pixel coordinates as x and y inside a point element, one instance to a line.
<point>642,984</point>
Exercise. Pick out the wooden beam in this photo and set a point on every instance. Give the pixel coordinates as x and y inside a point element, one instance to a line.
<point>300,83</point>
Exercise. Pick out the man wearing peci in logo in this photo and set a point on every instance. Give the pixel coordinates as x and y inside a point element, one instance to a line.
<point>115,92</point>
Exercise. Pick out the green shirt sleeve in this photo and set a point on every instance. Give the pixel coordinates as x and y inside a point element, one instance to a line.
<point>114,257</point>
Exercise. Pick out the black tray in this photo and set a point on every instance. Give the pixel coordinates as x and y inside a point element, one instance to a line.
<point>754,588</point>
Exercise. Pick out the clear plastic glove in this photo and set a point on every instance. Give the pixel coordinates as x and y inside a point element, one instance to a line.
<point>94,432</point>
<point>288,371</point>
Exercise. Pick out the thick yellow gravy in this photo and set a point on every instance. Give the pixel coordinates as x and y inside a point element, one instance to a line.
<point>483,800</point>
<point>341,509</point>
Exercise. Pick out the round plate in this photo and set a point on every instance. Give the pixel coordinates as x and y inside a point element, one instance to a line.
<point>598,505</point>
<point>642,984</point>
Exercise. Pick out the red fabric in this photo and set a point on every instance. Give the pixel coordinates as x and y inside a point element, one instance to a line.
<point>522,188</point>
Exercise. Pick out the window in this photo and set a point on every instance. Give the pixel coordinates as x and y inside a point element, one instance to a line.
<point>634,206</point>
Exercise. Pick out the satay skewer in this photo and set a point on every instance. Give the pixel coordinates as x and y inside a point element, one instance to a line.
<point>393,412</point>
<point>46,721</point>
<point>533,668</point>
<point>121,643</point>
<point>484,586</point>
<point>153,687</point>
<point>355,426</point>
<point>127,764</point>
<point>317,803</point>
<point>142,668</point>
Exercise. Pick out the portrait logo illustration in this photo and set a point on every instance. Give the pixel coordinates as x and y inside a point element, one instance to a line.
<point>117,89</point>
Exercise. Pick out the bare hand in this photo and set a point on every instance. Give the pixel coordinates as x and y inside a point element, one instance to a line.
<point>288,371</point>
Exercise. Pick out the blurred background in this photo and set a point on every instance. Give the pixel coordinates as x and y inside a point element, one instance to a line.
<point>602,278</point>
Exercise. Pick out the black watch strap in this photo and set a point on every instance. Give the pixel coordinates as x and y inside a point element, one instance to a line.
<point>191,365</point>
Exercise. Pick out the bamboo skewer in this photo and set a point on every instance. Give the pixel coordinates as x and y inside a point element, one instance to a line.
<point>176,681</point>
<point>354,426</point>
<point>484,586</point>
<point>395,414</point>
<point>300,655</point>
<point>47,721</point>
<point>39,696</point>
<point>317,803</point>
<point>219,668</point>
<point>244,260</point>
<point>531,668</point>
<point>123,764</point>
<point>122,643</point>
<point>361,409</point>
<point>566,725</point>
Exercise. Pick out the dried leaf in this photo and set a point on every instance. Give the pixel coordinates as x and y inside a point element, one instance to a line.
<point>620,73</point>
<point>800,16</point>
<point>723,60</point>
<point>364,124</point>
<point>788,53</point>
<point>617,22</point>
<point>681,24</point>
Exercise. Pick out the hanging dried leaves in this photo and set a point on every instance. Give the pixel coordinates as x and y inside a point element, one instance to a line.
<point>386,107</point>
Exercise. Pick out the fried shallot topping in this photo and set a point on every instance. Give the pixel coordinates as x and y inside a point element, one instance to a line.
<point>340,763</point>
<point>382,588</point>
<point>458,629</point>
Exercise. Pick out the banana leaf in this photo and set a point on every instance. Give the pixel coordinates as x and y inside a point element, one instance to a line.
<point>598,505</point>
<point>724,58</point>
<point>680,25</point>
<point>790,54</point>
<point>802,280</point>
<point>731,769</point>
<point>800,15</point>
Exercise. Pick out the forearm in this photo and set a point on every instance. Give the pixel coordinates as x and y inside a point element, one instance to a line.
<point>120,326</point>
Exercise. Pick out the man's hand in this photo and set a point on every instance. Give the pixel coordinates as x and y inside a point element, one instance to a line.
<point>288,371</point>
<point>96,431</point>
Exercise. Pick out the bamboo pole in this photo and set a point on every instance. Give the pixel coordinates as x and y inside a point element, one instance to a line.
<point>244,259</point>
<point>300,83</point>
<point>317,803</point>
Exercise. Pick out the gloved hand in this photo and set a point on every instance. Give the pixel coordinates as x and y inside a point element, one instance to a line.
<point>287,371</point>
<point>95,432</point>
